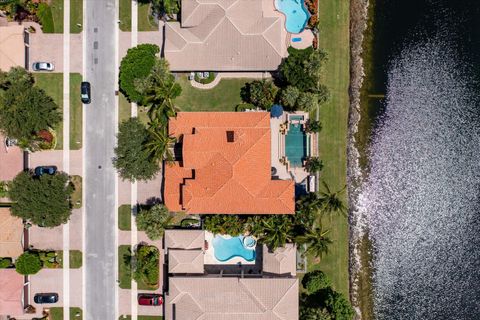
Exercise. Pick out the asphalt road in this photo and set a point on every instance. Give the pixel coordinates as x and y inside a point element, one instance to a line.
<point>100,175</point>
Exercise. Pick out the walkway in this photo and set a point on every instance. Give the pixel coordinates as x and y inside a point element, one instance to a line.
<point>227,75</point>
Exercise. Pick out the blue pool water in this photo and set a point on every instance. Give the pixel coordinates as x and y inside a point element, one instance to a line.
<point>296,144</point>
<point>296,39</point>
<point>226,249</point>
<point>295,13</point>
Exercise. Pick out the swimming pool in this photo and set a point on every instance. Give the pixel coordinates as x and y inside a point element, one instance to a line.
<point>296,142</point>
<point>296,15</point>
<point>228,248</point>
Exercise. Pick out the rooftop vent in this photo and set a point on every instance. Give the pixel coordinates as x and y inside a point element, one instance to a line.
<point>230,136</point>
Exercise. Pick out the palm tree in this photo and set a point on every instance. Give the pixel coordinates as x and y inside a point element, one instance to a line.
<point>159,142</point>
<point>276,231</point>
<point>316,240</point>
<point>313,164</point>
<point>330,202</point>
<point>161,91</point>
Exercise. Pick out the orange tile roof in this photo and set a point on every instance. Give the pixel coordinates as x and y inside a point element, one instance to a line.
<point>216,176</point>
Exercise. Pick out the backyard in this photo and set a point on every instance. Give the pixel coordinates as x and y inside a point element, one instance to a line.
<point>223,97</point>
<point>334,39</point>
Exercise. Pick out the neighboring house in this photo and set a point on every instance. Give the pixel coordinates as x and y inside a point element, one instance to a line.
<point>195,293</point>
<point>12,47</point>
<point>225,166</point>
<point>226,35</point>
<point>11,160</point>
<point>11,234</point>
<point>11,293</point>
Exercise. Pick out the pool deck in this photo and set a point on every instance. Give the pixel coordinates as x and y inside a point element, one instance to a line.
<point>209,257</point>
<point>307,39</point>
<point>284,172</point>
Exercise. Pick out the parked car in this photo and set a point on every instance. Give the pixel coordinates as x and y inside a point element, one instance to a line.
<point>45,170</point>
<point>85,92</point>
<point>43,66</point>
<point>41,298</point>
<point>150,299</point>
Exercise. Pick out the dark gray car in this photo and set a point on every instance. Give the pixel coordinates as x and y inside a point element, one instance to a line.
<point>41,298</point>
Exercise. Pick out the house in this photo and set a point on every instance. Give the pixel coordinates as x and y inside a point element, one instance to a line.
<point>11,293</point>
<point>11,160</point>
<point>12,47</point>
<point>195,292</point>
<point>226,35</point>
<point>224,166</point>
<point>11,234</point>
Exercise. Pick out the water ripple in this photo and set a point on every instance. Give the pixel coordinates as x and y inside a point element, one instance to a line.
<point>421,200</point>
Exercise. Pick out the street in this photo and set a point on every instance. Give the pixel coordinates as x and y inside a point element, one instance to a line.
<point>100,123</point>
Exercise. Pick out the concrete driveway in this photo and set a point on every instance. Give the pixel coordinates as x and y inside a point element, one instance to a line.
<point>52,238</point>
<point>55,158</point>
<point>48,47</point>
<point>51,280</point>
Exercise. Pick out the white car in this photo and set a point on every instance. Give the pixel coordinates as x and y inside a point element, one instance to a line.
<point>43,66</point>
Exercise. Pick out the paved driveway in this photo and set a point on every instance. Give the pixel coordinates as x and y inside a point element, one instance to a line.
<point>55,158</point>
<point>52,238</point>
<point>51,280</point>
<point>48,47</point>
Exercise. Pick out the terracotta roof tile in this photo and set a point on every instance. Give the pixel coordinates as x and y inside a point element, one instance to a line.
<point>229,177</point>
<point>11,288</point>
<point>11,234</point>
<point>11,161</point>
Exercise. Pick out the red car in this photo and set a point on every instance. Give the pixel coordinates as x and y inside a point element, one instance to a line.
<point>150,299</point>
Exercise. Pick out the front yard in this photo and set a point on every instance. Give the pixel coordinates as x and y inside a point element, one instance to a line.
<point>125,271</point>
<point>56,313</point>
<point>223,97</point>
<point>52,83</point>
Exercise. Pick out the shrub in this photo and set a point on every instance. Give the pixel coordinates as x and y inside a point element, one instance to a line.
<point>261,93</point>
<point>28,263</point>
<point>154,221</point>
<point>135,68</point>
<point>225,224</point>
<point>147,265</point>
<point>315,280</point>
<point>302,68</point>
<point>5,263</point>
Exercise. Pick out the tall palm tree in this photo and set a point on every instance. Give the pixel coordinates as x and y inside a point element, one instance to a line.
<point>162,90</point>
<point>330,202</point>
<point>316,240</point>
<point>159,142</point>
<point>276,231</point>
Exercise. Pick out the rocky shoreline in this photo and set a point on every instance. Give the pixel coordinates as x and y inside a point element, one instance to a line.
<point>358,26</point>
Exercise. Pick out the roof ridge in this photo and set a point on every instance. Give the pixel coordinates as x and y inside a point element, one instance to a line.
<point>251,295</point>
<point>267,40</point>
<point>281,300</point>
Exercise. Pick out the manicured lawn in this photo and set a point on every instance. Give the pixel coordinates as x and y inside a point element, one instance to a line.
<point>75,258</point>
<point>125,217</point>
<point>223,97</point>
<point>334,39</point>
<point>52,83</point>
<point>125,13</point>
<point>76,16</point>
<point>124,108</point>
<point>77,193</point>
<point>56,313</point>
<point>124,271</point>
<point>145,19</point>
<point>51,16</point>
<point>141,317</point>
<point>75,112</point>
